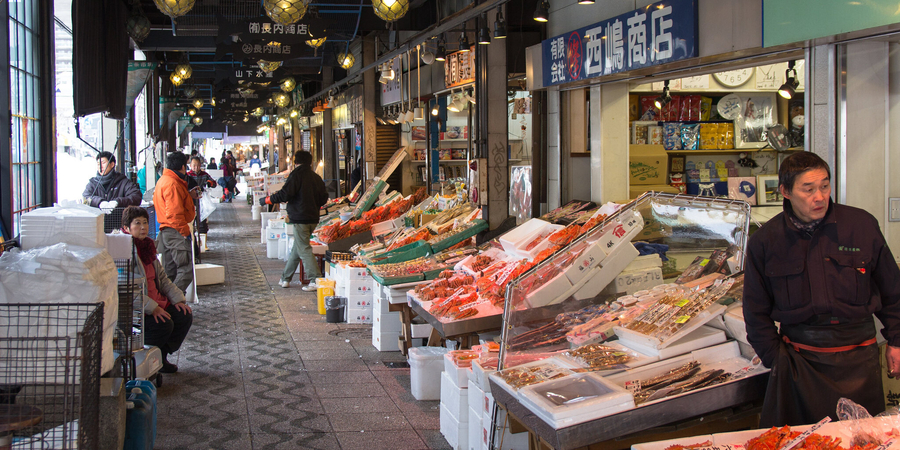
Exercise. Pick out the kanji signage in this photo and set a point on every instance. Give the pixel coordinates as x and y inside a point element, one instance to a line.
<point>659,33</point>
<point>459,69</point>
<point>249,74</point>
<point>264,29</point>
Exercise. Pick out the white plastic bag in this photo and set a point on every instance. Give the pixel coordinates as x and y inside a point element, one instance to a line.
<point>207,206</point>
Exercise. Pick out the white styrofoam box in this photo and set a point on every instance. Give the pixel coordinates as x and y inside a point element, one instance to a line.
<point>587,260</point>
<point>645,262</point>
<point>544,243</point>
<point>549,292</point>
<point>207,274</point>
<point>487,408</point>
<point>611,266</point>
<point>425,367</point>
<point>456,374</point>
<point>385,341</point>
<point>746,350</point>
<point>363,286</point>
<point>265,217</point>
<point>702,337</point>
<point>734,322</point>
<point>502,434</point>
<point>359,315</point>
<point>421,330</point>
<point>358,273</point>
<point>631,281</point>
<point>480,376</point>
<point>380,305</point>
<point>519,236</point>
<point>476,398</point>
<point>608,398</point>
<point>382,227</point>
<point>475,427</point>
<point>456,432</point>
<point>388,321</point>
<point>454,398</point>
<point>360,301</point>
<point>652,342</point>
<point>119,245</point>
<point>339,274</point>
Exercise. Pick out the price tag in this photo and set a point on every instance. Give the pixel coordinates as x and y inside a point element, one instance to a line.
<point>470,305</point>
<point>682,302</point>
<point>793,443</point>
<point>633,386</point>
<point>704,263</point>
<point>682,319</point>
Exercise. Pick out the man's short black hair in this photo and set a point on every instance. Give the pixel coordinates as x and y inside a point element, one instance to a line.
<point>176,161</point>
<point>197,158</point>
<point>109,156</point>
<point>303,158</point>
<point>133,212</point>
<point>798,163</point>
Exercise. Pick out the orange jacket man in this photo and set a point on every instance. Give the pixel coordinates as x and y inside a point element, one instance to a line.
<point>175,211</point>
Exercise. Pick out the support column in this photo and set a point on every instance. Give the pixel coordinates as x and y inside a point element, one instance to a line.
<point>820,108</point>
<point>370,101</point>
<point>331,166</point>
<point>493,125</point>
<point>553,149</point>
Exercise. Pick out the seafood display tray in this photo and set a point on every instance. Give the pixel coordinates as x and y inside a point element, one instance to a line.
<point>651,342</point>
<point>703,336</point>
<point>609,399</point>
<point>459,327</point>
<point>478,226</point>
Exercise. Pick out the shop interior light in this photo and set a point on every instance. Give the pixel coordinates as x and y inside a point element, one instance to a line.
<point>500,25</point>
<point>184,71</point>
<point>331,103</point>
<point>542,12</point>
<point>484,33</point>
<point>198,103</point>
<point>419,112</point>
<point>665,98</point>
<point>428,58</point>
<point>435,110</point>
<point>789,88</point>
<point>138,25</point>
<point>471,97</point>
<point>441,54</point>
<point>452,105</point>
<point>387,72</point>
<point>464,42</point>
<point>212,101</point>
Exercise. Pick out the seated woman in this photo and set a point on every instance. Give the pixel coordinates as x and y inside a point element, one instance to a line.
<point>167,318</point>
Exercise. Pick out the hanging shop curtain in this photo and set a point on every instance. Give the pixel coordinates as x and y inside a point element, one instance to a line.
<point>100,57</point>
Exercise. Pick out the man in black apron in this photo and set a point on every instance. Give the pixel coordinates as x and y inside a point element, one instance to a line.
<point>821,270</point>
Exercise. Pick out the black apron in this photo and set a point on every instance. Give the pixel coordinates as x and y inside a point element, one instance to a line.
<point>804,386</point>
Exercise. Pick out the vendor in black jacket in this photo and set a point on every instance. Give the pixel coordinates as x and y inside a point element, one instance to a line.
<point>110,186</point>
<point>304,191</point>
<point>821,270</point>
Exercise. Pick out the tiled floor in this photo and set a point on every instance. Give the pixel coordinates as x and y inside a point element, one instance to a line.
<point>262,370</point>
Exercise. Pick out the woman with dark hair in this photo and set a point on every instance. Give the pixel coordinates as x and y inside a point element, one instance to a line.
<point>167,318</point>
<point>212,164</point>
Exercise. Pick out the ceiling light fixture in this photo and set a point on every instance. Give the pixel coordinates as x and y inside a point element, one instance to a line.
<point>190,91</point>
<point>281,99</point>
<point>184,71</point>
<point>294,113</point>
<point>212,101</point>
<point>390,10</point>
<point>542,12</point>
<point>285,12</point>
<point>191,112</point>
<point>198,103</point>
<point>436,109</point>
<point>789,88</point>
<point>500,25</point>
<point>174,8</point>
<point>346,60</point>
<point>331,103</point>
<point>441,54</point>
<point>198,121</point>
<point>175,79</point>
<point>464,42</point>
<point>471,97</point>
<point>484,33</point>
<point>138,25</point>
<point>288,84</point>
<point>268,66</point>
<point>665,98</point>
<point>585,2</point>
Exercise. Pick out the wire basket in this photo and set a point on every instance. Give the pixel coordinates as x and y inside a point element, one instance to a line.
<point>50,374</point>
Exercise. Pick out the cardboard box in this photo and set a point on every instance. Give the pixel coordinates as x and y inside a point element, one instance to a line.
<point>648,164</point>
<point>209,274</point>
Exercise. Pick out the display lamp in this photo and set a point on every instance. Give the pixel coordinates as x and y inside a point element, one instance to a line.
<point>198,121</point>
<point>138,25</point>
<point>542,12</point>
<point>331,103</point>
<point>663,99</point>
<point>268,66</point>
<point>285,12</point>
<point>387,71</point>
<point>453,104</point>
<point>175,79</point>
<point>471,97</point>
<point>484,33</point>
<point>390,10</point>
<point>174,8</point>
<point>464,42</point>
<point>198,103</point>
<point>441,54</point>
<point>288,84</point>
<point>500,25</point>
<point>789,88</point>
<point>419,112</point>
<point>346,60</point>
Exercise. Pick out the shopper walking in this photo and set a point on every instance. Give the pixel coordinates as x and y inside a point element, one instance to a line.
<point>175,211</point>
<point>167,317</point>
<point>110,188</point>
<point>821,270</point>
<point>304,192</point>
<point>204,181</point>
<point>229,177</point>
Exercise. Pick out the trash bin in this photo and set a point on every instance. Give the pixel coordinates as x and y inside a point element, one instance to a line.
<point>334,308</point>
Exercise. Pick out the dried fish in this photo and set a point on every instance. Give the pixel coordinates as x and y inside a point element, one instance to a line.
<point>673,376</point>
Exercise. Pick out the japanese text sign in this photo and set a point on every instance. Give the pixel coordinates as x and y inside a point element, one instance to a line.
<point>659,33</point>
<point>459,69</point>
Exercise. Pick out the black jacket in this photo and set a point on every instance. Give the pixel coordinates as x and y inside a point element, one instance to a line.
<point>304,191</point>
<point>121,189</point>
<point>843,269</point>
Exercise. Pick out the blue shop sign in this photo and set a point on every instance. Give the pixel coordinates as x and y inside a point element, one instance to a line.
<point>659,33</point>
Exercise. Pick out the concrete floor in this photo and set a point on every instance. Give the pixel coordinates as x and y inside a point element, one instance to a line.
<point>261,369</point>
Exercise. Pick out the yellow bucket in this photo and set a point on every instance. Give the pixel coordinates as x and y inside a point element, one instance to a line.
<point>325,289</point>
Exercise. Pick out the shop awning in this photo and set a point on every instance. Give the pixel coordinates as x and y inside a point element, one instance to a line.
<point>138,74</point>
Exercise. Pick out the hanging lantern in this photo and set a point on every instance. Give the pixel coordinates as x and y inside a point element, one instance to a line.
<point>175,79</point>
<point>198,103</point>
<point>190,92</point>
<point>390,10</point>
<point>281,99</point>
<point>191,112</point>
<point>138,25</point>
<point>285,12</point>
<point>212,101</point>
<point>174,8</point>
<point>184,70</point>
<point>198,121</point>
<point>268,66</point>
<point>294,113</point>
<point>258,112</point>
<point>346,60</point>
<point>288,84</point>
<point>316,43</point>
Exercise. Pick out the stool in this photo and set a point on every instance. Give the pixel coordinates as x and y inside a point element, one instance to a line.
<point>320,261</point>
<point>14,418</point>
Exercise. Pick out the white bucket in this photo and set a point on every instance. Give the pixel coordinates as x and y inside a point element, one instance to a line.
<point>272,248</point>
<point>255,210</point>
<point>262,235</point>
<point>282,249</point>
<point>265,217</point>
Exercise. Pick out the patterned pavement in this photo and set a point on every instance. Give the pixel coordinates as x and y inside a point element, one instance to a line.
<point>261,369</point>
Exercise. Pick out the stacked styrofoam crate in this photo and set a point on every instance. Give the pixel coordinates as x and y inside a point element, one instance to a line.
<point>455,404</point>
<point>355,284</point>
<point>386,325</point>
<point>483,412</point>
<point>78,224</point>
